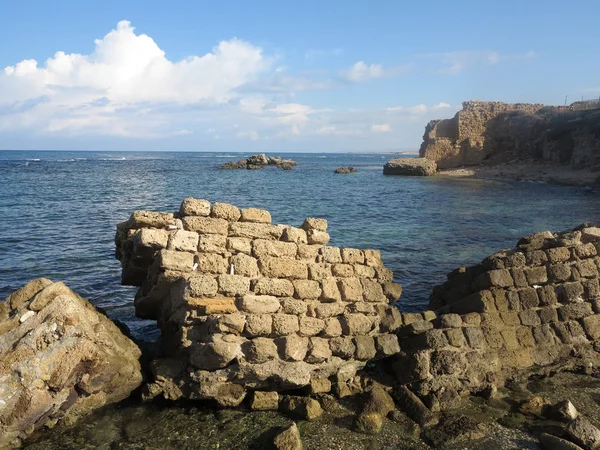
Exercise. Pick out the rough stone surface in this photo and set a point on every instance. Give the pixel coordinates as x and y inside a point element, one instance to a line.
<point>410,166</point>
<point>60,360</point>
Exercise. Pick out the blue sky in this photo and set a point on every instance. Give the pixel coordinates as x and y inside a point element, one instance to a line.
<point>278,76</point>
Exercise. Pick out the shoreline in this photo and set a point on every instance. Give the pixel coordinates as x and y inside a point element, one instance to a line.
<point>535,172</point>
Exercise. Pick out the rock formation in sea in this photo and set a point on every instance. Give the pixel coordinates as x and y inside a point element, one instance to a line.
<point>245,305</point>
<point>495,132</point>
<point>260,161</point>
<point>60,359</point>
<point>345,170</point>
<point>410,166</point>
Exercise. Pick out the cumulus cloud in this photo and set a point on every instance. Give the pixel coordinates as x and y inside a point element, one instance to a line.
<point>457,61</point>
<point>380,128</point>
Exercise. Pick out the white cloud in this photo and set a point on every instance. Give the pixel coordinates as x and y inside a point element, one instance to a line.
<point>362,72</point>
<point>457,61</point>
<point>381,128</point>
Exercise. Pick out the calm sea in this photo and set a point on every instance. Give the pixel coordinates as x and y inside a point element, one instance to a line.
<point>60,209</point>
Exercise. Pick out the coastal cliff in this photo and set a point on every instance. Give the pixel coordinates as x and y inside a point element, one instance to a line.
<point>491,133</point>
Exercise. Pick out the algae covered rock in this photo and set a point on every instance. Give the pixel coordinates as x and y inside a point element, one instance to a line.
<point>410,166</point>
<point>60,359</point>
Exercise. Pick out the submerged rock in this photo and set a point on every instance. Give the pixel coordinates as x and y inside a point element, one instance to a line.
<point>288,439</point>
<point>259,161</point>
<point>410,166</point>
<point>60,359</point>
<point>345,170</point>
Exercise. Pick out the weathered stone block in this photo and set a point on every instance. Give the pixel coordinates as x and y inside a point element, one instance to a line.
<point>536,275</point>
<point>225,211</point>
<point>529,298</point>
<point>213,305</point>
<point>383,274</point>
<point>475,337</point>
<point>308,252</point>
<point>211,263</point>
<point>194,207</point>
<point>184,241</point>
<point>311,326</point>
<point>372,291</point>
<point>536,257</point>
<point>325,310</point>
<point>525,336</point>
<point>259,350</point>
<point>292,347</point>
<point>212,243</point>
<point>278,249</point>
<point>587,268</point>
<point>330,291</point>
<point>172,260</point>
<point>471,319</point>
<point>244,265</point>
<point>585,250</point>
<point>500,299</point>
<point>296,235</point>
<point>342,270</point>
<point>574,311</point>
<point>255,230</point>
<point>514,302</point>
<point>294,306</point>
<point>559,254</point>
<point>519,277</point>
<point>530,318</point>
<point>255,215</point>
<point>351,289</point>
<point>450,320</point>
<point>387,345</point>
<point>264,401</point>
<point>238,245</point>
<point>201,286</point>
<point>353,256</point>
<point>316,237</point>
<point>355,324</point>
<point>259,324</point>
<point>448,362</point>
<point>543,335</point>
<point>365,348</point>
<point>333,327</point>
<point>205,225</point>
<point>559,273</point>
<point>304,408</point>
<point>331,255</point>
<point>283,268</point>
<point>547,296</point>
<point>373,258</point>
<point>273,286</point>
<point>214,355</point>
<point>312,223</point>
<point>570,292</point>
<point>233,284</point>
<point>342,347</point>
<point>151,238</point>
<point>390,318</point>
<point>591,289</point>
<point>548,314</point>
<point>320,385</point>
<point>307,289</point>
<point>319,271</point>
<point>318,350</point>
<point>363,271</point>
<point>493,338</point>
<point>229,324</point>
<point>392,291</point>
<point>259,304</point>
<point>455,337</point>
<point>591,325</point>
<point>494,278</point>
<point>480,302</point>
<point>510,338</point>
<point>510,318</point>
<point>284,324</point>
<point>150,219</point>
<point>361,307</point>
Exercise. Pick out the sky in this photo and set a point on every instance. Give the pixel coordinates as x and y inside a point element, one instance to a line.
<point>310,76</point>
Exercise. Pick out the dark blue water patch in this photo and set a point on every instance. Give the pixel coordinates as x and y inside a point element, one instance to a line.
<point>60,210</point>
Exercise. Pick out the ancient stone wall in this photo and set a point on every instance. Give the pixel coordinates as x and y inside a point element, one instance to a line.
<point>247,305</point>
<point>496,132</point>
<point>517,312</point>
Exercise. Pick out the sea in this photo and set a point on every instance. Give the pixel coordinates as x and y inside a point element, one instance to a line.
<point>60,211</point>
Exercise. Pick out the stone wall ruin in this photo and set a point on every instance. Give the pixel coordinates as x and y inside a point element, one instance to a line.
<point>243,304</point>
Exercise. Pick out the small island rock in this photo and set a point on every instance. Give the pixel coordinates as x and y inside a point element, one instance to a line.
<point>345,170</point>
<point>410,166</point>
<point>259,161</point>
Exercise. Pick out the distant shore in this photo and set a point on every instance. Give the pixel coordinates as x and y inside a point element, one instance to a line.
<point>538,172</point>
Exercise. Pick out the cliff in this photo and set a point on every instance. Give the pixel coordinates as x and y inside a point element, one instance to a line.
<point>492,133</point>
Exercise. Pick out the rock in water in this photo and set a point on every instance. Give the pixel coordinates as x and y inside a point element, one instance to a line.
<point>288,439</point>
<point>65,360</point>
<point>410,166</point>
<point>345,170</point>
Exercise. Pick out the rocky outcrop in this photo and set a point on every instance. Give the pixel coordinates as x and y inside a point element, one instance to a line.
<point>245,305</point>
<point>410,166</point>
<point>260,161</point>
<point>345,170</point>
<point>521,311</point>
<point>59,359</point>
<point>495,132</point>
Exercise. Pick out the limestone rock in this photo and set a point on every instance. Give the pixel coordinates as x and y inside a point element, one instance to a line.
<point>550,442</point>
<point>378,401</point>
<point>65,360</point>
<point>345,170</point>
<point>265,401</point>
<point>194,207</point>
<point>304,408</point>
<point>564,411</point>
<point>368,423</point>
<point>288,439</point>
<point>410,166</point>
<point>584,433</point>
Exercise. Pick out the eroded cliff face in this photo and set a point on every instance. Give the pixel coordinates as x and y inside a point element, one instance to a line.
<point>496,132</point>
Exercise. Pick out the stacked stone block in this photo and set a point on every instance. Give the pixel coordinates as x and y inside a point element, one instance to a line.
<point>246,304</point>
<point>518,311</point>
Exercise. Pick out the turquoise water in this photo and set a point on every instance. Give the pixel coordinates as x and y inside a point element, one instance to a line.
<point>60,209</point>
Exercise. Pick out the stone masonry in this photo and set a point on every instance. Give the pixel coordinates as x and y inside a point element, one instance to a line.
<point>246,305</point>
<point>519,312</point>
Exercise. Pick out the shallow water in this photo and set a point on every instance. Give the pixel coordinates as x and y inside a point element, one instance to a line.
<point>60,210</point>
